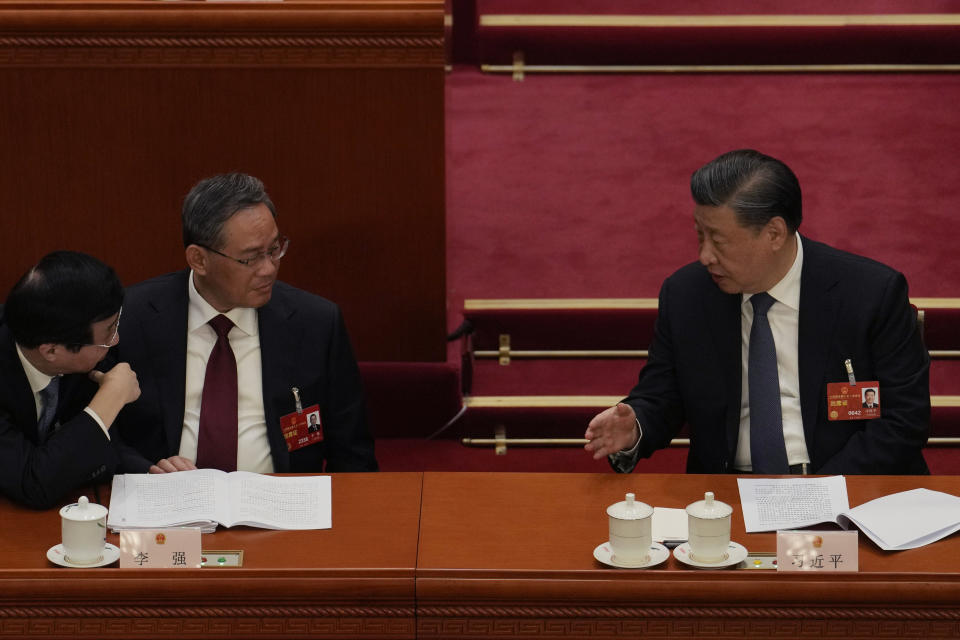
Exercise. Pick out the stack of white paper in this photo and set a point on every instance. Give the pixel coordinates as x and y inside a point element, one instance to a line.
<point>906,520</point>
<point>669,525</point>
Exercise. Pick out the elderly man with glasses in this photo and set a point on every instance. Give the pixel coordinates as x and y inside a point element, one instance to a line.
<point>231,360</point>
<point>56,411</point>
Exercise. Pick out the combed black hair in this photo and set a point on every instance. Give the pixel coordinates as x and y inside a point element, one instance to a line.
<point>58,300</point>
<point>755,186</point>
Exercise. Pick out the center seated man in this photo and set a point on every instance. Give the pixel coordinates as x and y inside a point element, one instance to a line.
<point>749,340</point>
<point>227,351</point>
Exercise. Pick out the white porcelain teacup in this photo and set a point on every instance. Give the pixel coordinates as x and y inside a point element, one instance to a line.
<point>708,523</point>
<point>630,530</point>
<point>84,530</point>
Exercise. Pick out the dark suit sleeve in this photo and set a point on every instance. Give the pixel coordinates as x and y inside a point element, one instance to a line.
<point>348,443</point>
<point>655,399</point>
<point>130,460</point>
<point>40,475</point>
<point>892,443</point>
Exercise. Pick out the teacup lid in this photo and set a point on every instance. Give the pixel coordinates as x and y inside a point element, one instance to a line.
<point>630,509</point>
<point>708,508</point>
<point>82,510</point>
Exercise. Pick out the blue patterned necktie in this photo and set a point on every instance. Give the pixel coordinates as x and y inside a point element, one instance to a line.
<point>49,396</point>
<point>768,453</point>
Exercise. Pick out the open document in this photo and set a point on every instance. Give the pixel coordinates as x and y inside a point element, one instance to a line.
<point>896,522</point>
<point>207,497</point>
<point>770,504</point>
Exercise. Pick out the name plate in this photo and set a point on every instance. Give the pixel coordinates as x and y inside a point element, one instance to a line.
<point>160,549</point>
<point>817,551</point>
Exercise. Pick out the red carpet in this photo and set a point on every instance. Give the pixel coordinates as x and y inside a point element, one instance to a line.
<point>713,32</point>
<point>715,7</point>
<point>576,186</point>
<point>449,455</point>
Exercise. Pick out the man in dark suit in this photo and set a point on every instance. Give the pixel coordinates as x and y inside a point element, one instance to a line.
<point>870,399</point>
<point>226,351</point>
<point>59,321</point>
<point>749,376</point>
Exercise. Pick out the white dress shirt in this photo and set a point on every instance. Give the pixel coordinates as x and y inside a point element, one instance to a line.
<point>38,382</point>
<point>253,447</point>
<point>784,317</point>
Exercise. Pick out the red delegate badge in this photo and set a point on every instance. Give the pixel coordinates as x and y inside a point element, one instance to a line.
<point>859,401</point>
<point>302,428</point>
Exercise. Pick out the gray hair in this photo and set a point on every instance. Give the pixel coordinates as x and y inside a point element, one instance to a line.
<point>215,200</point>
<point>755,186</point>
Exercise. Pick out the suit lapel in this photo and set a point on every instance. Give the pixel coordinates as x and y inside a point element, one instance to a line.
<point>818,318</point>
<point>278,349</point>
<point>17,387</point>
<point>169,326</point>
<point>722,312</point>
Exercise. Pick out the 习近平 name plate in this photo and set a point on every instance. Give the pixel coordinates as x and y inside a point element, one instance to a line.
<point>817,551</point>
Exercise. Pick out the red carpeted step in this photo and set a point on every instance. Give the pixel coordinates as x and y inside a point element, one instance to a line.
<point>556,377</point>
<point>943,460</point>
<point>607,32</point>
<point>410,399</point>
<point>408,454</point>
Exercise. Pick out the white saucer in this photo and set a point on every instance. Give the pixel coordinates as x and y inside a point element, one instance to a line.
<point>658,553</point>
<point>736,553</point>
<point>110,554</point>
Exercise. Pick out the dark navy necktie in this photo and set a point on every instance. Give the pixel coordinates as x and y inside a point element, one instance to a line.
<point>49,397</point>
<point>768,453</point>
<point>217,438</point>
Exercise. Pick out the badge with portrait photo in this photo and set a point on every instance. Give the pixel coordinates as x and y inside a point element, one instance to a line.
<point>860,401</point>
<point>302,428</point>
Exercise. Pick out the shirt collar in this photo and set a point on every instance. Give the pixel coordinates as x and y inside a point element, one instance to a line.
<point>787,291</point>
<point>201,312</point>
<point>38,379</point>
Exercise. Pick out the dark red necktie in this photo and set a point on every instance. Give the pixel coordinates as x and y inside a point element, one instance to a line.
<point>217,441</point>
